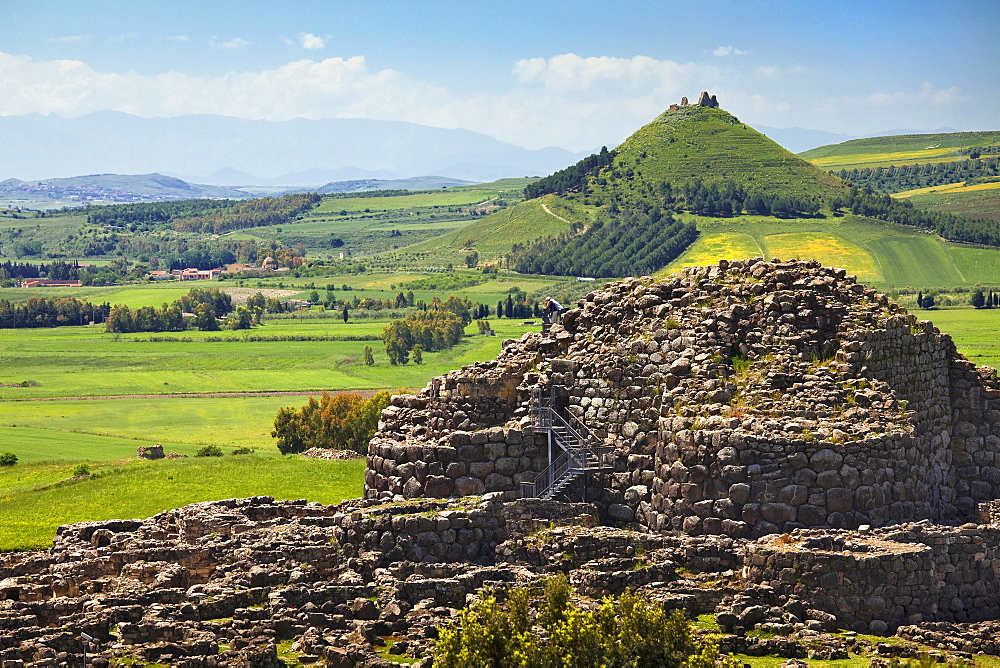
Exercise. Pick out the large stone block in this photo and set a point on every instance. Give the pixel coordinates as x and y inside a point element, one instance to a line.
<point>468,486</point>
<point>825,460</point>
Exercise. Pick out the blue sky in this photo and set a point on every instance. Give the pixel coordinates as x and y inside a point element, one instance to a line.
<point>569,74</point>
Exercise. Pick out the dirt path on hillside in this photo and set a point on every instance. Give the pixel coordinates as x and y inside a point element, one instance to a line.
<point>367,394</point>
<point>554,215</point>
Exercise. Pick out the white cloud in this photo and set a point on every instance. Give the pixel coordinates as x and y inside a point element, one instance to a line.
<point>721,51</point>
<point>928,95</point>
<point>772,72</point>
<point>124,37</point>
<point>563,101</point>
<point>308,40</point>
<point>71,38</point>
<point>234,43</point>
<point>178,38</point>
<point>571,74</point>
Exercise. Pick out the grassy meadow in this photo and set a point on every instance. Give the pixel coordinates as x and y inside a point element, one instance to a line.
<point>976,332</point>
<point>77,394</point>
<point>35,500</point>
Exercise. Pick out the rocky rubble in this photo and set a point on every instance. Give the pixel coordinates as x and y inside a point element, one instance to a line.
<point>791,452</point>
<point>229,583</point>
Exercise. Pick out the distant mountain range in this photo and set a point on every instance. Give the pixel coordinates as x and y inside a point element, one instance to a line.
<point>99,188</point>
<point>236,152</point>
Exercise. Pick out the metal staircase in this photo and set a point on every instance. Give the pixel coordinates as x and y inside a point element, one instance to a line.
<point>580,452</point>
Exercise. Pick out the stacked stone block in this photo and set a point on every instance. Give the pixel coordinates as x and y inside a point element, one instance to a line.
<point>491,460</point>
<point>874,582</point>
<point>742,399</point>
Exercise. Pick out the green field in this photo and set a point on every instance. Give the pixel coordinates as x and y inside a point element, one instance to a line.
<point>35,499</point>
<point>975,331</point>
<point>86,361</point>
<point>900,150</point>
<point>881,254</point>
<point>444,198</point>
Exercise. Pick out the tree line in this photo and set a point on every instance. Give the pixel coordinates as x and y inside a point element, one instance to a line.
<point>897,178</point>
<point>981,298</point>
<point>634,242</point>
<point>573,177</point>
<point>50,312</point>
<point>249,213</point>
<point>947,225</point>
<point>420,332</point>
<point>152,215</point>
<point>206,304</point>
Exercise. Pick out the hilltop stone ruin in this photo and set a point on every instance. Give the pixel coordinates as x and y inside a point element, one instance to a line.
<point>704,100</point>
<point>768,441</point>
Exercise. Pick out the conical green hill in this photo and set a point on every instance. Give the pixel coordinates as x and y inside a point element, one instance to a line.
<point>692,142</point>
<point>678,147</point>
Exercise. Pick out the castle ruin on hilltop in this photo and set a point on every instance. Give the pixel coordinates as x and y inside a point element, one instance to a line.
<point>704,100</point>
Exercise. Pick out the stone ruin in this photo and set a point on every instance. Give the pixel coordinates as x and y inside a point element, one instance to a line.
<point>766,441</point>
<point>150,452</point>
<point>704,100</point>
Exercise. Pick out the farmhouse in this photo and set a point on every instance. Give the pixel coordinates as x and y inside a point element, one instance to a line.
<point>192,274</point>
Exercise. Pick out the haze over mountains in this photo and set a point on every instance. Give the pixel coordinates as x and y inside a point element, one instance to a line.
<point>226,151</point>
<point>230,151</point>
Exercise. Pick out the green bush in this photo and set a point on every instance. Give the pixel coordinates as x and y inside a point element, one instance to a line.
<point>344,421</point>
<point>7,459</point>
<point>243,451</point>
<point>628,631</point>
<point>81,469</point>
<point>209,451</point>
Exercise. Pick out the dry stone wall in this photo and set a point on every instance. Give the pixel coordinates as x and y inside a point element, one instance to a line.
<point>742,399</point>
<point>877,581</point>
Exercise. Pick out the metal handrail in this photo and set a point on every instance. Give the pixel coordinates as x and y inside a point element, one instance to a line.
<point>545,410</point>
<point>576,441</point>
<point>563,466</point>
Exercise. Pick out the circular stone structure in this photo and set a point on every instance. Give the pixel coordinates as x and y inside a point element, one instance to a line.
<point>871,585</point>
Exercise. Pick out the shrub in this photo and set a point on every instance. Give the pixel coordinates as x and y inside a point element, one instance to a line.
<point>243,451</point>
<point>342,421</point>
<point>628,631</point>
<point>209,451</point>
<point>81,469</point>
<point>7,459</point>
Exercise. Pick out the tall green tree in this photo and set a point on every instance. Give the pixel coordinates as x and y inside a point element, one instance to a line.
<point>204,318</point>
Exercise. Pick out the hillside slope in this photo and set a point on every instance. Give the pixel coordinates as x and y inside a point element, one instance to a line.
<point>710,144</point>
<point>957,172</point>
<point>902,149</point>
<point>648,172</point>
<point>702,167</point>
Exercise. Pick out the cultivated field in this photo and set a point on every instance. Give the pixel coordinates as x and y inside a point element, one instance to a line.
<point>901,150</point>
<point>977,201</point>
<point>881,254</point>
